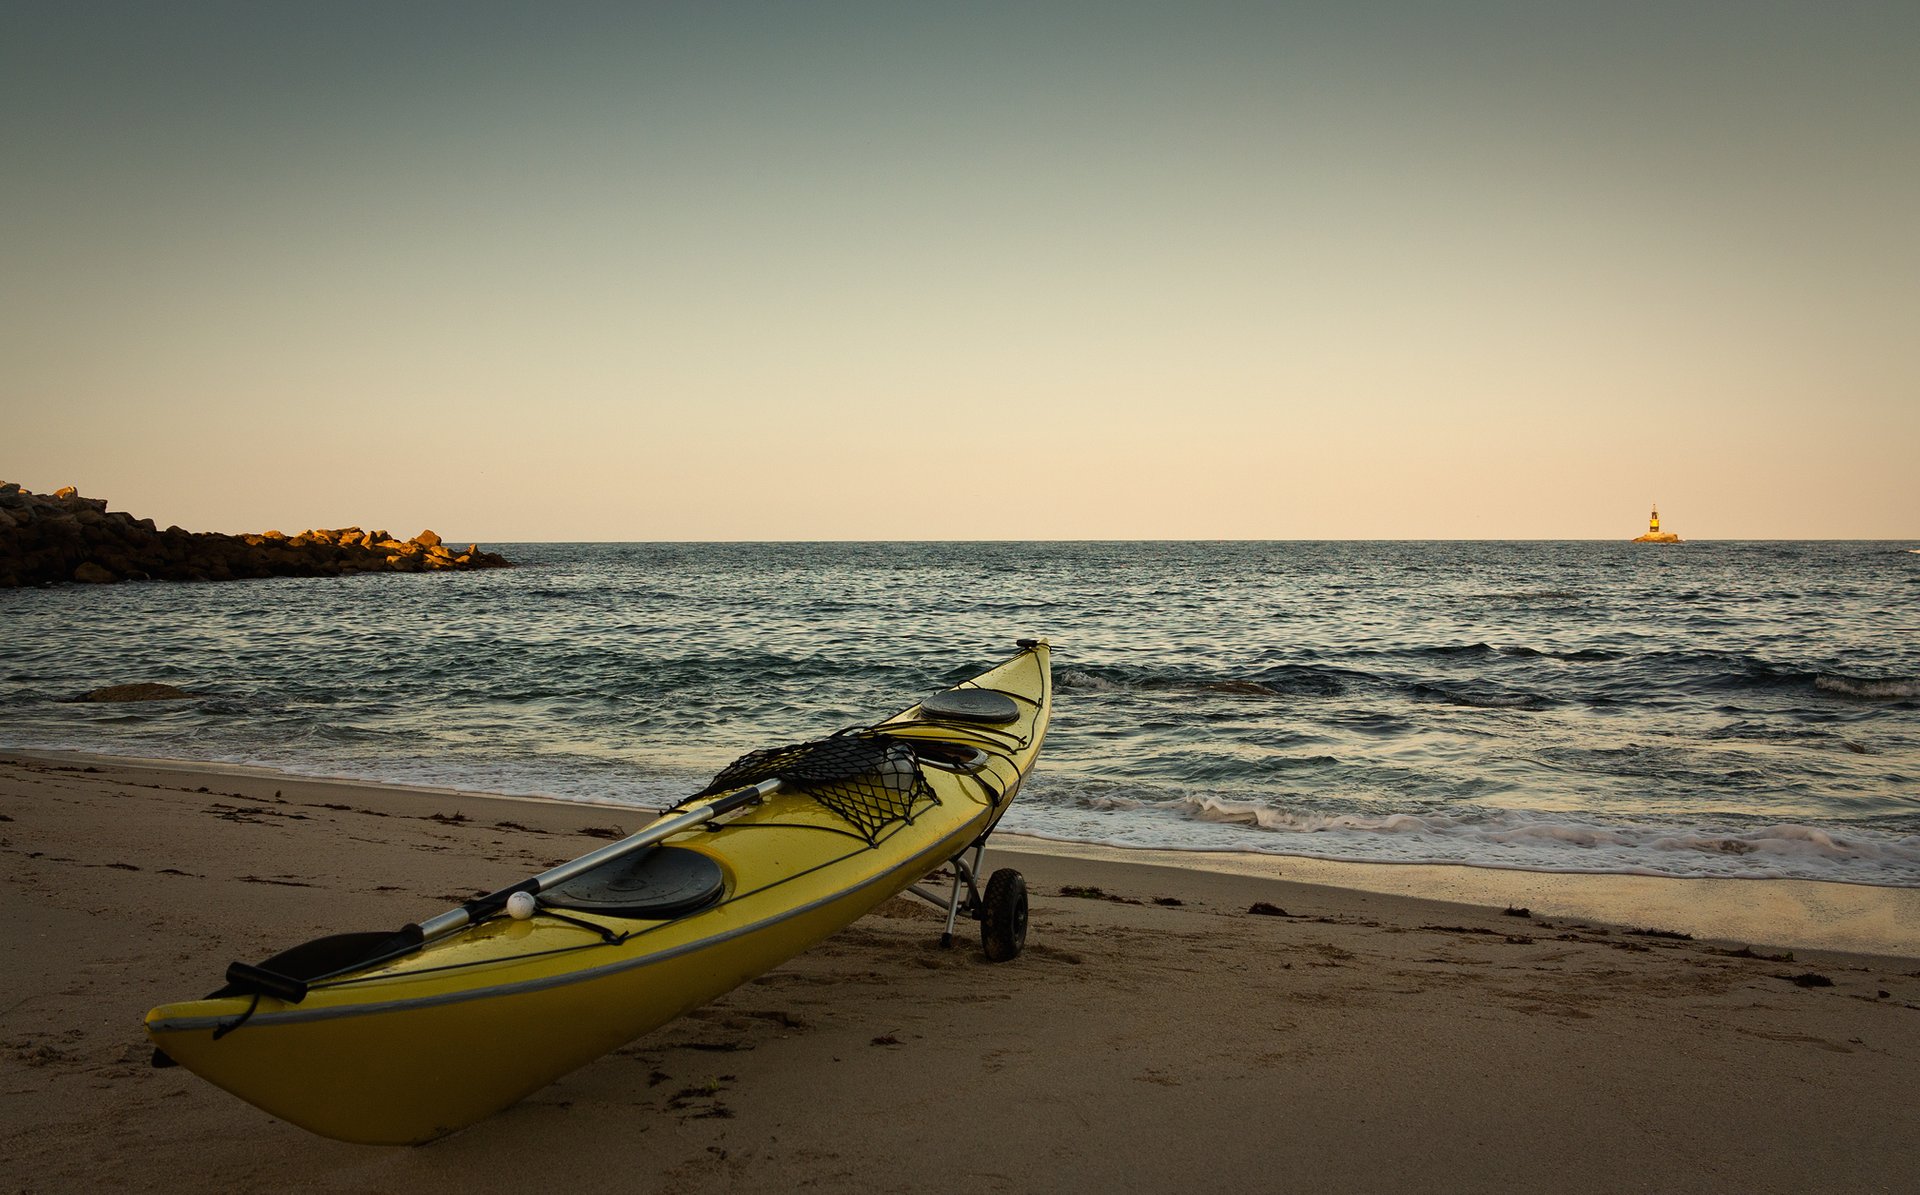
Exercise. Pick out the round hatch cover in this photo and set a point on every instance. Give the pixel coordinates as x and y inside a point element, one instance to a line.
<point>662,882</point>
<point>971,705</point>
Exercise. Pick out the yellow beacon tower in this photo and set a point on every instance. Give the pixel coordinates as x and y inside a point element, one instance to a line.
<point>1654,535</point>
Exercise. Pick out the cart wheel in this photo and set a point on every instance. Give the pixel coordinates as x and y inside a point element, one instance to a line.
<point>1003,920</point>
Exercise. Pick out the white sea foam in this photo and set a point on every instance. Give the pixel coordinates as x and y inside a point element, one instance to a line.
<point>1891,688</point>
<point>1079,680</point>
<point>1522,839</point>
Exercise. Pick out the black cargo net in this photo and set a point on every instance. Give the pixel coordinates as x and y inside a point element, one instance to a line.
<point>868,781</point>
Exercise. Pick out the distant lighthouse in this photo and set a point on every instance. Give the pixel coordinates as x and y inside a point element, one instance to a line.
<point>1654,535</point>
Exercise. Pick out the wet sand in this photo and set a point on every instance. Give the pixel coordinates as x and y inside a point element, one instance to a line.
<point>1156,1035</point>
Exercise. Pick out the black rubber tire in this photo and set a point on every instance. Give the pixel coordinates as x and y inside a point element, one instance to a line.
<point>1003,916</point>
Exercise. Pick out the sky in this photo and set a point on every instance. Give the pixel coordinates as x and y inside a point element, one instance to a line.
<point>794,271</point>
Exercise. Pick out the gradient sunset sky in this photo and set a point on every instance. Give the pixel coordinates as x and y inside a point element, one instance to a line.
<point>955,271</point>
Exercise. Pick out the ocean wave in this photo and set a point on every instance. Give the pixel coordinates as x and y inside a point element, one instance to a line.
<point>1458,649</point>
<point>1740,672</point>
<point>1480,698</point>
<point>1280,680</point>
<point>1894,688</point>
<point>1087,680</point>
<point>1812,737</point>
<point>1581,656</point>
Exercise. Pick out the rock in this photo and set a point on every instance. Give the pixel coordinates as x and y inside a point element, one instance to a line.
<point>142,692</point>
<point>58,538</point>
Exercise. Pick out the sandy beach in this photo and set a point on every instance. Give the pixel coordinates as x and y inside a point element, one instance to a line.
<point>1527,1032</point>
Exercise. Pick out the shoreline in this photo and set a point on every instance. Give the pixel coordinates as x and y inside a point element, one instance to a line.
<point>1166,1023</point>
<point>1768,911</point>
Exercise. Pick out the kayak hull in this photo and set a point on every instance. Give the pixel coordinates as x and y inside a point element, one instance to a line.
<point>425,1045</point>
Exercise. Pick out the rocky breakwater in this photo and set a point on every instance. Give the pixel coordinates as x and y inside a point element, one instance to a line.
<point>50,538</point>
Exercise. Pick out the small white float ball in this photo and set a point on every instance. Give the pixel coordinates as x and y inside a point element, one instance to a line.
<point>521,905</point>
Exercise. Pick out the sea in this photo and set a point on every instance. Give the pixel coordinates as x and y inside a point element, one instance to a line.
<point>1727,709</point>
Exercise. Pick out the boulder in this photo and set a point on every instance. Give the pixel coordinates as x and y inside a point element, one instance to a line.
<point>64,537</point>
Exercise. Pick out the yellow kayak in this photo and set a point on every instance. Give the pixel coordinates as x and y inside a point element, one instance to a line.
<point>395,1038</point>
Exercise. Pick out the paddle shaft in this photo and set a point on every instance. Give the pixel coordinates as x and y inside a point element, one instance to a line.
<point>483,906</point>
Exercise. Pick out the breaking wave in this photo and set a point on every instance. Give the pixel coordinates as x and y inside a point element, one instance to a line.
<point>1889,689</point>
<point>1525,840</point>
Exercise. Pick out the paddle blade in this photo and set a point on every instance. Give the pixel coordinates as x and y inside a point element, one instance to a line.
<point>299,966</point>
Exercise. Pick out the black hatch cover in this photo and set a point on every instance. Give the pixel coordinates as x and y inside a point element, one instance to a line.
<point>661,882</point>
<point>971,705</point>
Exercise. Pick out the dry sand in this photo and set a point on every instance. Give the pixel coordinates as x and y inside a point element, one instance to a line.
<point>1156,1035</point>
